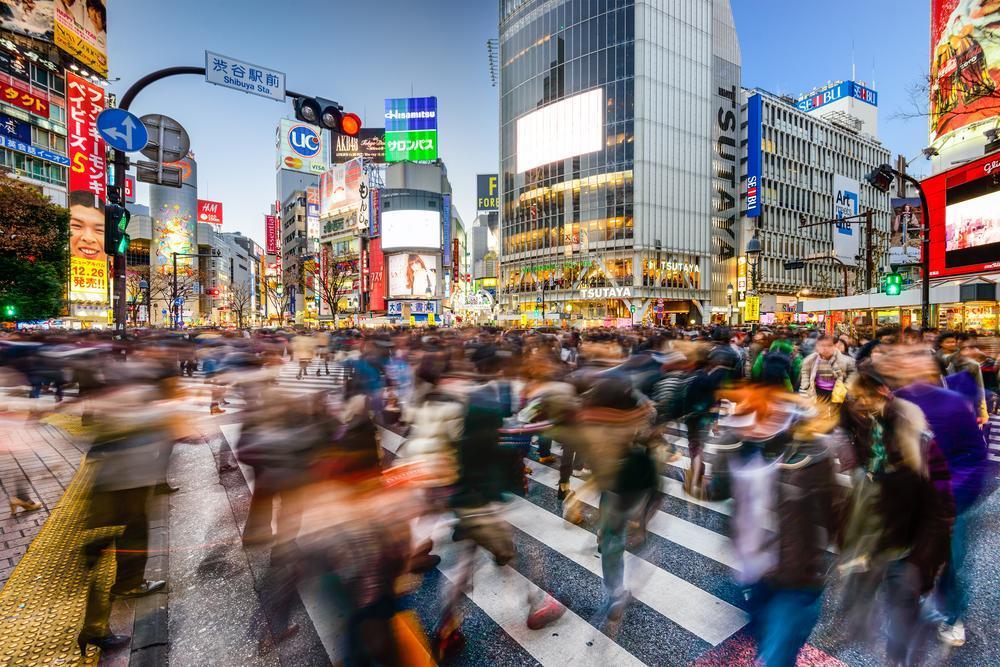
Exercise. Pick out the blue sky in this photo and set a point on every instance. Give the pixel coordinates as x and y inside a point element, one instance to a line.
<point>362,52</point>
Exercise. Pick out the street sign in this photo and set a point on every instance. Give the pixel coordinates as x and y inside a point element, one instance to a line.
<point>122,130</point>
<point>158,173</point>
<point>751,309</point>
<point>129,190</point>
<point>168,140</point>
<point>179,301</point>
<point>243,76</point>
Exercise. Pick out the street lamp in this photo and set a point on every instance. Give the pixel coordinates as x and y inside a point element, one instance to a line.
<point>729,303</point>
<point>753,253</point>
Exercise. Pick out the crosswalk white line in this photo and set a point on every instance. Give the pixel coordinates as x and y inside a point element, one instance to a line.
<point>693,609</point>
<point>691,536</point>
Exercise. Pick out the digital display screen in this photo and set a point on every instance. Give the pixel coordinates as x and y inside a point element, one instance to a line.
<point>413,275</point>
<point>573,126</point>
<point>972,223</point>
<point>411,229</point>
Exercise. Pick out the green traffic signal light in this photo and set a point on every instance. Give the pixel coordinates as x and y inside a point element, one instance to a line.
<point>9,311</point>
<point>123,244</point>
<point>893,284</point>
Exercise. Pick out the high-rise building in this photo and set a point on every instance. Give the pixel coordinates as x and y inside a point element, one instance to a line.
<point>619,146</point>
<point>806,162</point>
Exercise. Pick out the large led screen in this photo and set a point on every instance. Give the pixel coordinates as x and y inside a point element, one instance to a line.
<point>411,229</point>
<point>972,224</point>
<point>573,126</point>
<point>413,275</point>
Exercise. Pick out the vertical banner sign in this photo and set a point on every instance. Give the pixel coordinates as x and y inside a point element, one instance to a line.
<point>271,234</point>
<point>364,271</point>
<point>85,101</point>
<point>846,236</point>
<point>88,191</point>
<point>129,189</point>
<point>376,268</point>
<point>446,222</point>
<point>754,129</point>
<point>751,309</point>
<point>454,263</point>
<point>375,222</point>
<point>487,198</point>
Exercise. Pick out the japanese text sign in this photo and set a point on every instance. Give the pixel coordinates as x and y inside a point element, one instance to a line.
<point>239,75</point>
<point>84,102</point>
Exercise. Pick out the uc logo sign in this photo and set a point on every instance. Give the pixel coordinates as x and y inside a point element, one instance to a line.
<point>304,140</point>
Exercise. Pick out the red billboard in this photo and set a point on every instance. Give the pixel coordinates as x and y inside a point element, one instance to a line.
<point>24,96</point>
<point>965,64</point>
<point>271,234</point>
<point>88,170</point>
<point>210,211</point>
<point>129,190</point>
<point>376,275</point>
<point>964,218</point>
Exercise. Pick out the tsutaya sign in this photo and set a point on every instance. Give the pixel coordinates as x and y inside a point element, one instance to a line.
<point>607,292</point>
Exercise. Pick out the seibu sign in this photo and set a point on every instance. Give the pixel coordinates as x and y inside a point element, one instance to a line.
<point>210,211</point>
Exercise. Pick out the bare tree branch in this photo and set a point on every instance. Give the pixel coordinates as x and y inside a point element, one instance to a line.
<point>239,298</point>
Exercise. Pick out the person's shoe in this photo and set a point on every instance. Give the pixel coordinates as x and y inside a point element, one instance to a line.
<point>952,635</point>
<point>216,410</point>
<point>548,458</point>
<point>562,492</point>
<point>105,643</point>
<point>25,505</point>
<point>582,473</point>
<point>145,588</point>
<point>616,608</point>
<point>547,613</point>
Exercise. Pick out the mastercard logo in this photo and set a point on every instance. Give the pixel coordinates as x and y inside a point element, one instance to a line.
<point>293,162</point>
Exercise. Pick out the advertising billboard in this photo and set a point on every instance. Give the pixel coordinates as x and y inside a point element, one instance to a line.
<point>564,129</point>
<point>375,220</point>
<point>88,279</point>
<point>312,215</point>
<point>376,268</point>
<point>411,229</point>
<point>271,234</point>
<point>81,30</point>
<point>210,211</point>
<point>446,228</point>
<point>487,194</point>
<point>301,147</point>
<point>755,114</point>
<point>369,144</point>
<point>23,96</point>
<point>413,275</point>
<point>411,129</point>
<point>846,236</point>
<point>88,170</point>
<point>174,212</point>
<point>340,187</point>
<point>965,64</point>
<point>34,19</point>
<point>905,235</point>
<point>964,218</point>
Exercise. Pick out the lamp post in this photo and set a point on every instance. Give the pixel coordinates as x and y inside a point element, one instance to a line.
<point>176,305</point>
<point>729,303</point>
<point>753,253</point>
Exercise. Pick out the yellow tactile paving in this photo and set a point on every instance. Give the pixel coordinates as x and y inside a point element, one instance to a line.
<point>42,604</point>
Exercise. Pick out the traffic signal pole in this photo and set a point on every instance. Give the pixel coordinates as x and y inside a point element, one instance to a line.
<point>117,195</point>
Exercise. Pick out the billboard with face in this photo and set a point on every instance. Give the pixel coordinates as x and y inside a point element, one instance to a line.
<point>413,275</point>
<point>965,64</point>
<point>904,236</point>
<point>34,19</point>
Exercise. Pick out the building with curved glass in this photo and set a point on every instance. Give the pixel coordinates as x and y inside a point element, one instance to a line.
<point>619,160</point>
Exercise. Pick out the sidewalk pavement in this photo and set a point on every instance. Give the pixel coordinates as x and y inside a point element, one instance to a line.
<point>44,591</point>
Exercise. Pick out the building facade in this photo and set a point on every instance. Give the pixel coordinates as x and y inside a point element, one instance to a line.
<point>807,163</point>
<point>619,140</point>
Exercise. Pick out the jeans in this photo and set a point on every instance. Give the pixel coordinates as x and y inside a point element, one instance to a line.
<point>952,591</point>
<point>781,620</point>
<point>902,606</point>
<point>615,514</point>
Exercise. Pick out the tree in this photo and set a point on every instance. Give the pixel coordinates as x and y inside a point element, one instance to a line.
<point>333,278</point>
<point>280,296</point>
<point>239,299</point>
<point>135,295</point>
<point>34,252</point>
<point>162,293</point>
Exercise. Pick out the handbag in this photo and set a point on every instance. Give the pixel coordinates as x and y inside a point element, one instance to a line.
<point>839,393</point>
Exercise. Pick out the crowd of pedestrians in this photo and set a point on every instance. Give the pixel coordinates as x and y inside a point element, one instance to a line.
<point>852,465</point>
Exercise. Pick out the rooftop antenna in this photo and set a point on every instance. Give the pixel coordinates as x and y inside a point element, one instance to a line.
<point>854,76</point>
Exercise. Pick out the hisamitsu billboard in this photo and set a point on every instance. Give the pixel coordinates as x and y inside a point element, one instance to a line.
<point>410,113</point>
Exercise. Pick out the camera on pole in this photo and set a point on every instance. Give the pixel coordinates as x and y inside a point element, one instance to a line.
<point>327,114</point>
<point>116,219</point>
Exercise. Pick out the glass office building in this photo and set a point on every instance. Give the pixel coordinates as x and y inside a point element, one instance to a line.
<point>619,159</point>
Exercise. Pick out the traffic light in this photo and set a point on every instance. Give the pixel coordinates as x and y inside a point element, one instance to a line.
<point>116,219</point>
<point>9,311</point>
<point>893,284</point>
<point>881,179</point>
<point>327,114</point>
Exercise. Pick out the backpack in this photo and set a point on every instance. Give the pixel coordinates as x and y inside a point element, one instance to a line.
<point>670,396</point>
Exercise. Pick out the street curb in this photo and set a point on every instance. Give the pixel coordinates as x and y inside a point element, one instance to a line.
<point>150,629</point>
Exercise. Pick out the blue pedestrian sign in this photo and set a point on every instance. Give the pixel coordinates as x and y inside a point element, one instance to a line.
<point>179,301</point>
<point>122,130</point>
